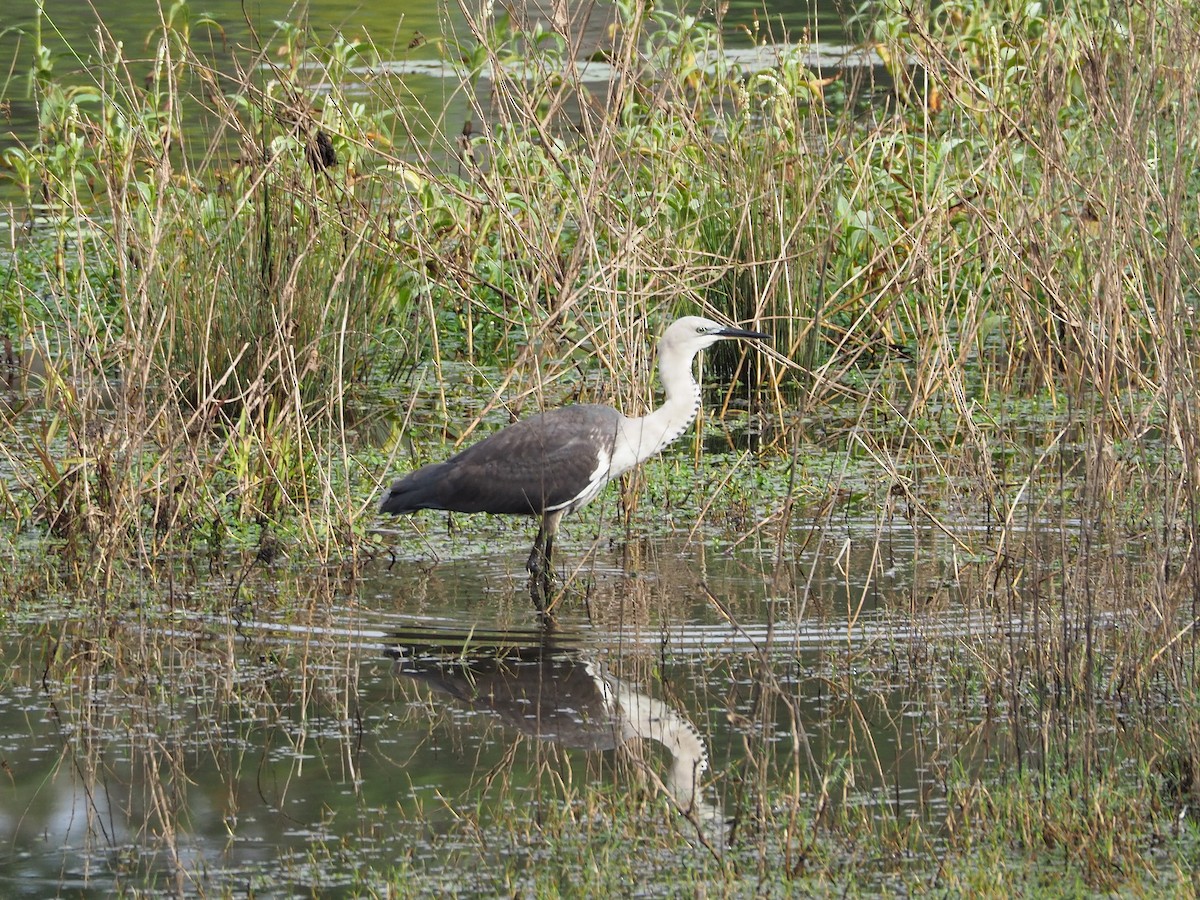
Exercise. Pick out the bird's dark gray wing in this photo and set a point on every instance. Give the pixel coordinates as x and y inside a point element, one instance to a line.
<point>538,463</point>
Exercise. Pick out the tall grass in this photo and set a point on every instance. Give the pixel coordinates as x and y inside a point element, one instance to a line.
<point>1014,220</point>
<point>210,315</point>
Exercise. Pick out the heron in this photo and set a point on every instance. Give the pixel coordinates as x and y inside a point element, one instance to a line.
<point>555,462</point>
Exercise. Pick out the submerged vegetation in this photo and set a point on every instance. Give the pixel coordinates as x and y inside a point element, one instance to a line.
<point>245,286</point>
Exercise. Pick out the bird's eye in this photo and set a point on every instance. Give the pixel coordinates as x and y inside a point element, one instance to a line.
<point>701,329</point>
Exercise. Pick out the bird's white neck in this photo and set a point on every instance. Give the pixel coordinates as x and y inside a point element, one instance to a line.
<point>644,436</point>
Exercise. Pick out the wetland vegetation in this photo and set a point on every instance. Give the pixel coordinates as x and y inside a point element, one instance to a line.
<point>922,584</point>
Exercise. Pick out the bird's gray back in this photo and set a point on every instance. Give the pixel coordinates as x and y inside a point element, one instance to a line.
<point>541,463</point>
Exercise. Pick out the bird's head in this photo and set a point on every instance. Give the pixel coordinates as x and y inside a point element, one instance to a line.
<point>691,334</point>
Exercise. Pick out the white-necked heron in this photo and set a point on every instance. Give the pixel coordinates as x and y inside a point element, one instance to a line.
<point>551,464</point>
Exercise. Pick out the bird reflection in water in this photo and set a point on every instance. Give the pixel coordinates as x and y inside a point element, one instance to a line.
<point>561,695</point>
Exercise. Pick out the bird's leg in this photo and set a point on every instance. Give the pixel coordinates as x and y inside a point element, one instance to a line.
<point>539,564</point>
<point>537,555</point>
<point>539,570</point>
<point>543,545</point>
<point>550,527</point>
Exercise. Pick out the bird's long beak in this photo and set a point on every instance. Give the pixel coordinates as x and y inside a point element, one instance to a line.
<point>742,333</point>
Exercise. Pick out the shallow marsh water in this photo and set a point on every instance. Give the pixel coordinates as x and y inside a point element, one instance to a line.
<point>839,685</point>
<point>321,734</point>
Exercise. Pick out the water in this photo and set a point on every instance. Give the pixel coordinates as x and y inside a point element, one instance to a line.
<point>419,713</point>
<point>389,24</point>
<point>73,31</point>
<point>724,711</point>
